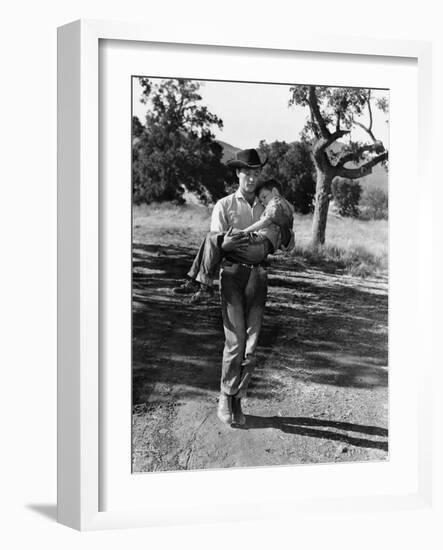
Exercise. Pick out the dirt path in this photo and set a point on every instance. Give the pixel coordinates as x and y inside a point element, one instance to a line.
<point>320,393</point>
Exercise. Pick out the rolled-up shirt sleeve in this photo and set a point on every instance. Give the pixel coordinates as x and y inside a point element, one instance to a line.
<point>219,221</point>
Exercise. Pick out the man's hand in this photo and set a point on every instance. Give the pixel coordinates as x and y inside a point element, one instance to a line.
<point>234,241</point>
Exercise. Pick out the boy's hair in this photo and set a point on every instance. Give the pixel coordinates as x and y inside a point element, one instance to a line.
<point>269,184</point>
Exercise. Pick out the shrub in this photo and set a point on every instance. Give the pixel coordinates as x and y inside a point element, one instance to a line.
<point>346,194</point>
<point>374,204</point>
<point>300,192</point>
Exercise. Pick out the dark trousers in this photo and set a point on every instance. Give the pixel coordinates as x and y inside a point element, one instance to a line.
<point>243,293</point>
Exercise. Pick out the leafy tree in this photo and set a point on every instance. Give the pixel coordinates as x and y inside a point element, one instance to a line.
<point>346,194</point>
<point>291,165</point>
<point>137,127</point>
<point>333,113</point>
<point>175,149</point>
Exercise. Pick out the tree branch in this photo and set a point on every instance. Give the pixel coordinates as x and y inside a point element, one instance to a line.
<point>376,147</point>
<point>370,110</point>
<point>322,161</point>
<point>314,126</point>
<point>361,171</point>
<point>316,111</point>
<point>367,130</point>
<point>326,141</point>
<point>337,124</point>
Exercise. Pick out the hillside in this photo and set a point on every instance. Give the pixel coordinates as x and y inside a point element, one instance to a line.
<point>229,150</point>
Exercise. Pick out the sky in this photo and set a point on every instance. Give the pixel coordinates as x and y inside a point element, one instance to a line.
<point>252,112</point>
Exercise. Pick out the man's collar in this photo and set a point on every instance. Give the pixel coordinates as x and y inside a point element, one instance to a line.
<point>239,195</point>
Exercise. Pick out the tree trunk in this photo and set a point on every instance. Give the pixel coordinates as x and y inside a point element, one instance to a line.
<point>322,197</point>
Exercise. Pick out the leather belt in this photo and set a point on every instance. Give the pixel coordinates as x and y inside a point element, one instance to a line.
<point>248,266</point>
<point>251,266</point>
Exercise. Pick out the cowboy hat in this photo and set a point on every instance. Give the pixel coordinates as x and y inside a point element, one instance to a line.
<point>247,158</point>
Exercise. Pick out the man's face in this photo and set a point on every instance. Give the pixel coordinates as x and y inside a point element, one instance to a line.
<point>247,179</point>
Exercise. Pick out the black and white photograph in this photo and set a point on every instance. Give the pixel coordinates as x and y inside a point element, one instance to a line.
<point>260,259</point>
<point>222,275</point>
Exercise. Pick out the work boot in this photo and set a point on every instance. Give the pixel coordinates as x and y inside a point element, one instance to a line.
<point>224,410</point>
<point>248,367</point>
<point>237,414</point>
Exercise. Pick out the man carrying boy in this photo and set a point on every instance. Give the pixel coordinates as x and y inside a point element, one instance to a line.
<point>243,277</point>
<point>243,288</point>
<point>275,223</point>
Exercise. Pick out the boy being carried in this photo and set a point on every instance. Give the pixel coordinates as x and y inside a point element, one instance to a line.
<point>274,225</point>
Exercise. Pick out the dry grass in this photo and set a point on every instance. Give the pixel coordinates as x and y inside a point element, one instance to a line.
<point>359,247</point>
<point>167,223</point>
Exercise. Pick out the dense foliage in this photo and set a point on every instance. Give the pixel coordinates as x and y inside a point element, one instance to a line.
<point>174,149</point>
<point>346,194</point>
<point>292,166</point>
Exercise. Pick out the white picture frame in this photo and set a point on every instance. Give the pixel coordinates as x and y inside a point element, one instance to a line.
<point>79,255</point>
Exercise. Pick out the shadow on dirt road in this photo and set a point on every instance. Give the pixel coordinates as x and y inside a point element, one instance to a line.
<point>310,427</point>
<point>328,332</point>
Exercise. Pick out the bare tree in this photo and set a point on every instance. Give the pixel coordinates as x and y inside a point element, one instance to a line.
<point>334,112</point>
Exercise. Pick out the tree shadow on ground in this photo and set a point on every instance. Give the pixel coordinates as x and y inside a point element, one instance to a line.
<point>315,329</point>
<point>322,429</point>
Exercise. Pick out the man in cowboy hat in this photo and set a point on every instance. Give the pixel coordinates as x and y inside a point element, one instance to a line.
<point>243,287</point>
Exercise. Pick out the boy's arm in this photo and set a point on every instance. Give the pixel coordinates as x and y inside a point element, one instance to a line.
<point>262,222</point>
<point>270,215</point>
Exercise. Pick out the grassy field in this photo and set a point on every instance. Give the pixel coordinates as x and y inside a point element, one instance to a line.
<point>359,247</point>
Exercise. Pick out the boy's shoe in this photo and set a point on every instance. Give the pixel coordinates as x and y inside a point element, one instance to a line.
<point>203,295</point>
<point>188,287</point>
